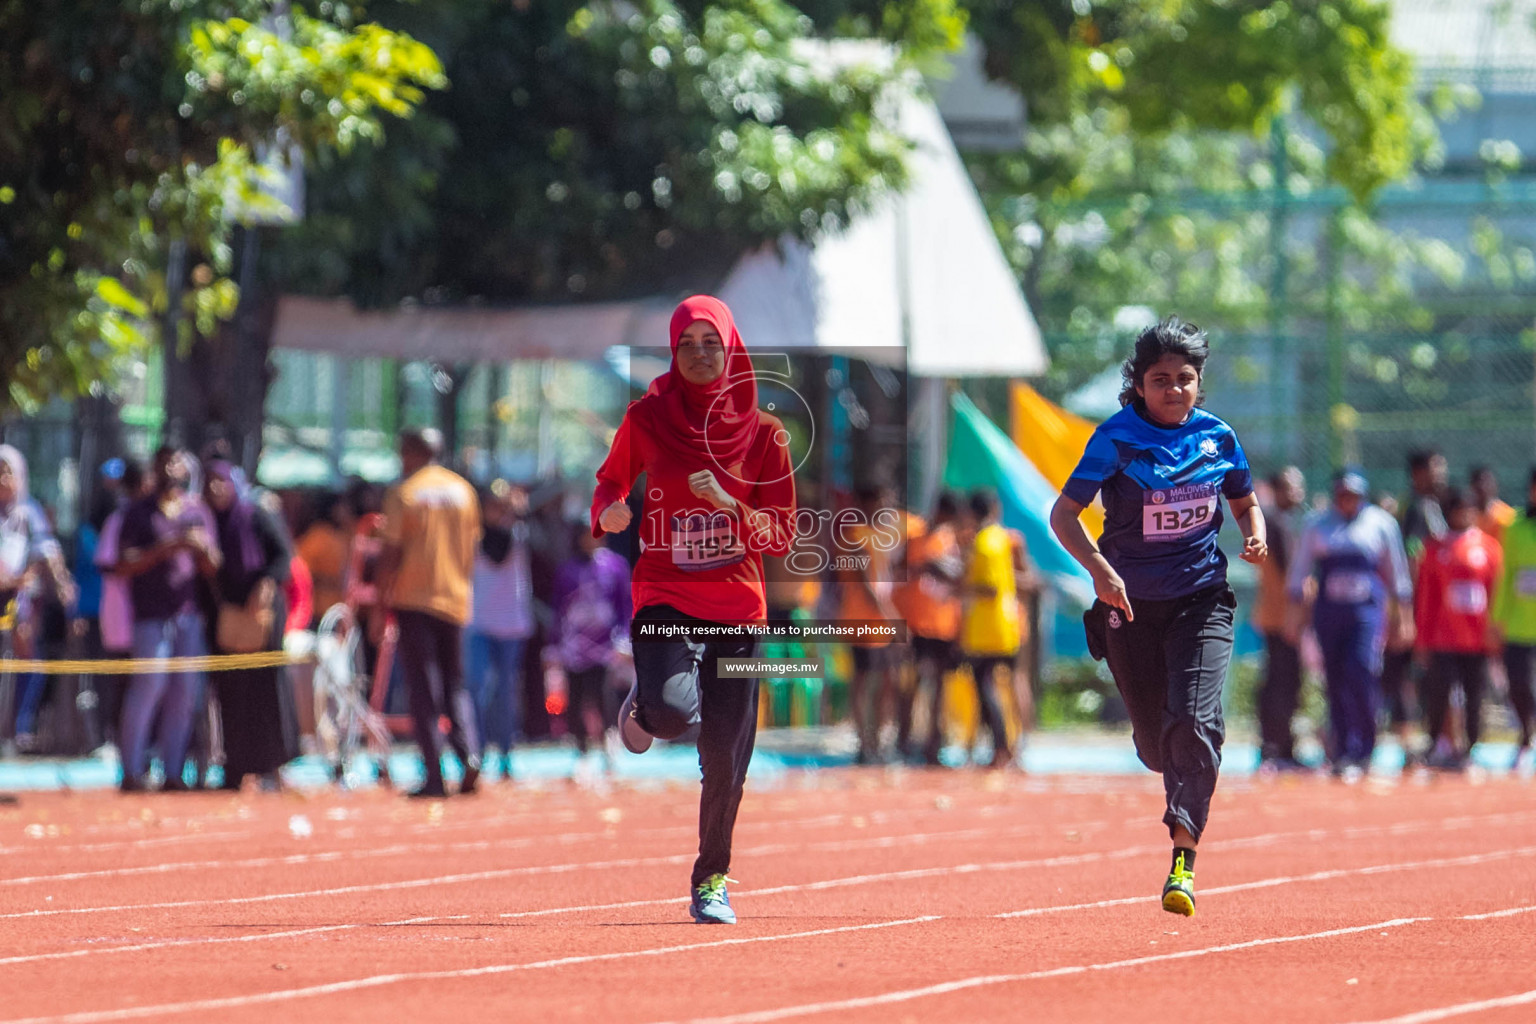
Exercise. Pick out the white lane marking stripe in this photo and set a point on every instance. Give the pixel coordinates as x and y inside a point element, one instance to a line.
<point>1316,876</point>
<point>331,856</point>
<point>263,936</point>
<point>117,844</point>
<point>375,981</point>
<point>477,876</point>
<point>570,838</point>
<point>1031,912</point>
<point>906,995</point>
<point>1461,1009</point>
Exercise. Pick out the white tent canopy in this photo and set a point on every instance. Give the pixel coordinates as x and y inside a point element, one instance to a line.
<point>923,272</point>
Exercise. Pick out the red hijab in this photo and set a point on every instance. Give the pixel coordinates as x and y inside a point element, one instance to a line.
<point>705,426</point>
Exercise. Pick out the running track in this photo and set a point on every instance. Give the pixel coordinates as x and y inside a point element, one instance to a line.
<point>866,896</point>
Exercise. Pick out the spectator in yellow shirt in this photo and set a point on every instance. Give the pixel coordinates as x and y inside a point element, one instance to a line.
<point>992,627</point>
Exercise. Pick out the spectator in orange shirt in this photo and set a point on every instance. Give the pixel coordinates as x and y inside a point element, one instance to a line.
<point>431,529</point>
<point>324,547</point>
<point>864,547</point>
<point>1455,586</point>
<point>1493,515</point>
<point>930,603</point>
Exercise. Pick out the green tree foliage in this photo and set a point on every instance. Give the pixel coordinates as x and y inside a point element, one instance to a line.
<point>130,125</point>
<point>590,150</point>
<point>1228,65</point>
<point>1212,157</point>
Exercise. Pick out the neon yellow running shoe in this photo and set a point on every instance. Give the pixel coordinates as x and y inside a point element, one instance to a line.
<point>711,903</point>
<point>1179,890</point>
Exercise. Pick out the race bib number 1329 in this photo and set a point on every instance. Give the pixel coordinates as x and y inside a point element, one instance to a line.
<point>1177,512</point>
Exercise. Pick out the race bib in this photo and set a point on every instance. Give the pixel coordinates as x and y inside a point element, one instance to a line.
<point>702,542</point>
<point>1525,582</point>
<point>1348,587</point>
<point>1177,512</point>
<point>1467,597</point>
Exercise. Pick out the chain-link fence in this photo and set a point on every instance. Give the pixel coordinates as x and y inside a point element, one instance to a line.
<point>1322,401</point>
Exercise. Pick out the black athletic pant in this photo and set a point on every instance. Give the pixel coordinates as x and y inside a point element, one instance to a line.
<point>1517,665</point>
<point>429,646</point>
<point>1170,663</point>
<point>678,688</point>
<point>984,670</point>
<point>1278,696</point>
<point>589,688</point>
<point>1446,669</point>
<point>1397,686</point>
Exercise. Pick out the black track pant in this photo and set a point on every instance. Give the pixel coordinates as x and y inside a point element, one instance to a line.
<point>1170,663</point>
<point>1446,670</point>
<point>431,646</point>
<point>678,688</point>
<point>1517,665</point>
<point>1278,696</point>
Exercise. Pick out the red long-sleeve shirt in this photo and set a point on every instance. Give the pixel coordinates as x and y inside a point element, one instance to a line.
<point>1455,588</point>
<point>702,561</point>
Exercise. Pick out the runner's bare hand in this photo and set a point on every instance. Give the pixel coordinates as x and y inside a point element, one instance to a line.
<point>615,518</point>
<point>1255,550</point>
<point>1110,589</point>
<point>704,485</point>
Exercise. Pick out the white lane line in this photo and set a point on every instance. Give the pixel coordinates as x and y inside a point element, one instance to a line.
<point>566,868</point>
<point>678,901</point>
<point>332,856</point>
<point>262,937</point>
<point>1462,1009</point>
<point>981,981</point>
<point>378,980</point>
<point>117,844</point>
<point>412,883</point>
<point>563,839</point>
<point>1316,876</point>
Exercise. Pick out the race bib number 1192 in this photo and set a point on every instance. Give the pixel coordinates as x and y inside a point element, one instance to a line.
<point>702,542</point>
<point>1177,512</point>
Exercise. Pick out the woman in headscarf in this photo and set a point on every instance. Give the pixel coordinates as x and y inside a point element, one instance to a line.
<point>30,559</point>
<point>719,494</point>
<point>255,704</point>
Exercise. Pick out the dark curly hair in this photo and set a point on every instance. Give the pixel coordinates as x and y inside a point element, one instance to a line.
<point>1171,336</point>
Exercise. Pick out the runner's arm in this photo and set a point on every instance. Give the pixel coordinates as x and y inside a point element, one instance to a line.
<point>1250,520</point>
<point>1068,528</point>
<point>616,476</point>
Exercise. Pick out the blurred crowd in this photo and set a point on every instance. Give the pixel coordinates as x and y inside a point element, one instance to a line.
<point>1413,611</point>
<point>495,609</point>
<point>490,608</point>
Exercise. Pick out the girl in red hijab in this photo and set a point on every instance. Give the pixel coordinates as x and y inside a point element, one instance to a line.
<point>719,494</point>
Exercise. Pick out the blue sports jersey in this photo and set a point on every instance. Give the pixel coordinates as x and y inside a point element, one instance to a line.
<point>1161,506</point>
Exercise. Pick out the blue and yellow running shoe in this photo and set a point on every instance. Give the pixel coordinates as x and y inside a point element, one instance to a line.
<point>711,903</point>
<point>1179,890</point>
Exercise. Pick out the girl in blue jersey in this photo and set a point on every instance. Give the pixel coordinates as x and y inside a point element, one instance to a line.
<point>1164,614</point>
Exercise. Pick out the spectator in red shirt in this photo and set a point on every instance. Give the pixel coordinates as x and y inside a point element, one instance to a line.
<point>1455,587</point>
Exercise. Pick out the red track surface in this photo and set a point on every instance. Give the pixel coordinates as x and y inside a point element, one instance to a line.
<point>864,896</point>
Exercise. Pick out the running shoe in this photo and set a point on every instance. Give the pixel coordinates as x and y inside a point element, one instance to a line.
<point>1179,890</point>
<point>1525,760</point>
<point>711,903</point>
<point>636,740</point>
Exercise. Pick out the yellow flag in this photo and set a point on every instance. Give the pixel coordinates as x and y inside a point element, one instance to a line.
<point>1053,439</point>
